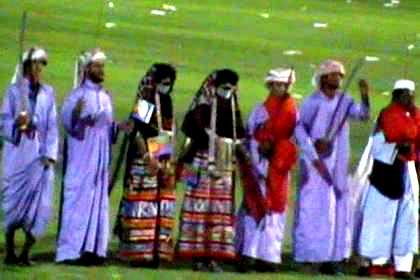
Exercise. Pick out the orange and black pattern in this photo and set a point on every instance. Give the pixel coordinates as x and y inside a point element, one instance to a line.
<point>146,217</point>
<point>207,218</point>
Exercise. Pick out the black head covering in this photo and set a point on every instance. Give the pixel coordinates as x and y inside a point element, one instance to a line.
<point>156,73</point>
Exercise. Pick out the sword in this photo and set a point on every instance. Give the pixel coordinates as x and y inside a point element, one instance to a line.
<point>333,130</point>
<point>21,41</point>
<point>23,98</point>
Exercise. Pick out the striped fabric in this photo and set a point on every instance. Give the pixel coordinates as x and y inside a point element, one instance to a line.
<point>145,228</point>
<point>207,218</point>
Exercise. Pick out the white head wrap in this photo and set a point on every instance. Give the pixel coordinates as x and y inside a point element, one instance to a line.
<point>33,54</point>
<point>328,67</point>
<point>283,75</point>
<point>36,54</point>
<point>405,84</point>
<point>85,59</point>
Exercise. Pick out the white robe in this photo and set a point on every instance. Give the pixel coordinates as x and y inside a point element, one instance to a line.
<point>389,228</point>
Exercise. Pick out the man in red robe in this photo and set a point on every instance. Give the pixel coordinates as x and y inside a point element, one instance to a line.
<point>388,228</point>
<point>262,217</point>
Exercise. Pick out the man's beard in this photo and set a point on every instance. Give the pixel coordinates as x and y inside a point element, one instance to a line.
<point>279,94</point>
<point>333,86</point>
<point>96,78</point>
<point>34,77</point>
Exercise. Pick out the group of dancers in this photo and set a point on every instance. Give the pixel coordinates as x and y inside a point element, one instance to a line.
<point>218,149</point>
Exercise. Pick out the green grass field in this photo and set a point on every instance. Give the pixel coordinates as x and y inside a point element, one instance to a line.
<point>199,37</point>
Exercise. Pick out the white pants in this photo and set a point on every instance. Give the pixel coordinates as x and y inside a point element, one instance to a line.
<point>389,228</point>
<point>263,241</point>
<point>401,263</point>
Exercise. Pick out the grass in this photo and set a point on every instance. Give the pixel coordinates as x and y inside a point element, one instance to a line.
<point>199,37</point>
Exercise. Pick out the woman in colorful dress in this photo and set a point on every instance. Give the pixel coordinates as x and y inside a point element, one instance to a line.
<point>147,208</point>
<point>212,125</point>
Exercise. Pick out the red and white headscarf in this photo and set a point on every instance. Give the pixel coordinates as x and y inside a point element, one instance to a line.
<point>328,67</point>
<point>283,75</point>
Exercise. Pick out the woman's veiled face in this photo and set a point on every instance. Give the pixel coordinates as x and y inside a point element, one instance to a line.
<point>225,90</point>
<point>164,86</point>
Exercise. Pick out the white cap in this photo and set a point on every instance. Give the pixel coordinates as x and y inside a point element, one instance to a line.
<point>405,84</point>
<point>283,75</point>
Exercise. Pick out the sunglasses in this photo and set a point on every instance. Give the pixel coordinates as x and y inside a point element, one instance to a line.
<point>42,61</point>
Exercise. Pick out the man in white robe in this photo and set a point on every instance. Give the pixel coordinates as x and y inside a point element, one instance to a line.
<point>88,120</point>
<point>29,128</point>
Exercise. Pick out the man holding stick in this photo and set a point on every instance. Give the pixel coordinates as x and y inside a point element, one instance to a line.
<point>322,222</point>
<point>270,127</point>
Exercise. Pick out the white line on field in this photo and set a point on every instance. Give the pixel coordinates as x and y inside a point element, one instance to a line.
<point>158,12</point>
<point>110,24</point>
<point>264,15</point>
<point>168,7</point>
<point>320,25</point>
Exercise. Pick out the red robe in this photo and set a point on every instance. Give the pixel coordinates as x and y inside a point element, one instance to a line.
<point>417,144</point>
<point>278,131</point>
<point>400,126</point>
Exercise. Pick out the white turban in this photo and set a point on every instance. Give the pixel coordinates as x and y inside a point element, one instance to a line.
<point>328,67</point>
<point>282,75</point>
<point>405,84</point>
<point>83,61</point>
<point>92,56</point>
<point>33,54</point>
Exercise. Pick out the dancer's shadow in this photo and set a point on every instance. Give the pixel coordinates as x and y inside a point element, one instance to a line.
<point>43,257</point>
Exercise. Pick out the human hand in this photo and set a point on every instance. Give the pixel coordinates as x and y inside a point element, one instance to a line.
<point>363,88</point>
<point>322,146</point>
<point>266,149</point>
<point>127,126</point>
<point>152,164</point>
<point>23,120</point>
<point>80,105</point>
<point>47,162</point>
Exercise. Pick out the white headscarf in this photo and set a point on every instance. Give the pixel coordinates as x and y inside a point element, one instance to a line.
<point>327,67</point>
<point>32,54</point>
<point>283,75</point>
<point>405,84</point>
<point>83,61</point>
